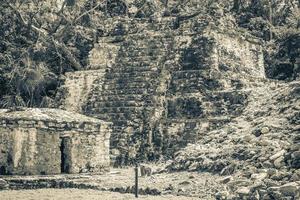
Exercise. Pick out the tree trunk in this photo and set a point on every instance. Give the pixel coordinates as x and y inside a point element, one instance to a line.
<point>271,19</point>
<point>48,40</point>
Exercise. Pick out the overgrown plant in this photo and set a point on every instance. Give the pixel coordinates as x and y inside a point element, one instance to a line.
<point>40,40</point>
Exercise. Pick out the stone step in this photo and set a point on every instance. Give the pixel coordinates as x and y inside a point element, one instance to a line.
<point>105,104</point>
<point>110,118</point>
<point>108,104</point>
<point>196,120</point>
<point>122,80</point>
<point>120,123</point>
<point>218,97</point>
<point>131,69</point>
<point>138,91</point>
<point>134,67</point>
<point>127,85</point>
<point>192,74</point>
<point>146,53</point>
<point>230,97</point>
<point>155,39</point>
<point>118,116</point>
<point>122,97</point>
<point>128,62</point>
<point>187,88</point>
<point>144,42</point>
<point>119,83</point>
<point>191,87</point>
<point>230,91</point>
<point>227,112</point>
<point>148,73</point>
<point>128,59</point>
<point>184,74</point>
<point>141,61</point>
<point>123,109</point>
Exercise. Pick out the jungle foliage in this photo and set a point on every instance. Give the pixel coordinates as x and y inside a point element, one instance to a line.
<point>40,40</point>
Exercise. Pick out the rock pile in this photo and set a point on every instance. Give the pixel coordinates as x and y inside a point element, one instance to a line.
<point>257,152</point>
<point>3,184</point>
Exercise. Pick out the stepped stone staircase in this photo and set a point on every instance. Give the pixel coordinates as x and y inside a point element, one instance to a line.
<point>163,83</point>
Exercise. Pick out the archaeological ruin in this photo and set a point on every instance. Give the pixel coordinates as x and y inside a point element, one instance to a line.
<point>52,141</point>
<point>176,99</point>
<point>163,83</point>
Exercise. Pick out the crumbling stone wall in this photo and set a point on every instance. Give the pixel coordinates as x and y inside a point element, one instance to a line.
<point>167,82</point>
<point>33,144</point>
<point>208,88</point>
<point>76,88</point>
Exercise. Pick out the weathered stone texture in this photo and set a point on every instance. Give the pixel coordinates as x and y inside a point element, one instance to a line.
<point>78,85</point>
<point>168,81</point>
<point>31,142</point>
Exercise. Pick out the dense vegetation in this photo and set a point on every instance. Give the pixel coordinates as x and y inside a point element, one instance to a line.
<point>41,40</point>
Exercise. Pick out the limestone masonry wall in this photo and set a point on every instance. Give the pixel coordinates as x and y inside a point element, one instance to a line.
<point>166,82</point>
<point>39,145</point>
<point>78,86</point>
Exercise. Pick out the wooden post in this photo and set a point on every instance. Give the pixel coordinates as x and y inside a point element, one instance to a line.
<point>136,169</point>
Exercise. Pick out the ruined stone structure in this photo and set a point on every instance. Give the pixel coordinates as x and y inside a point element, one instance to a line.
<point>51,141</point>
<point>164,82</point>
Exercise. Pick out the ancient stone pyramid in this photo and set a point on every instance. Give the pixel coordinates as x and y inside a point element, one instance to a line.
<point>164,82</point>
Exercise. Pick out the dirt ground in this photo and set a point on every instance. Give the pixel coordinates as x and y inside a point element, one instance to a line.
<point>177,185</point>
<point>77,194</point>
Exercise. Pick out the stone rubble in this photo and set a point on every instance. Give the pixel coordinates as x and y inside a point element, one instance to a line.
<point>257,166</point>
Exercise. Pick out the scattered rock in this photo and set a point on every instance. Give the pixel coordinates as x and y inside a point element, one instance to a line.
<point>271,171</point>
<point>279,162</point>
<point>226,179</point>
<point>193,166</point>
<point>3,184</point>
<point>235,184</point>
<point>222,195</point>
<point>261,160</point>
<point>228,170</point>
<point>260,131</point>
<point>259,177</point>
<point>280,175</point>
<point>264,130</point>
<point>295,159</point>
<point>243,191</point>
<point>295,147</point>
<point>154,191</point>
<point>170,187</point>
<point>185,183</point>
<point>295,176</point>
<point>191,177</point>
<point>277,155</point>
<point>256,132</point>
<point>181,190</point>
<point>290,189</point>
<point>267,164</point>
